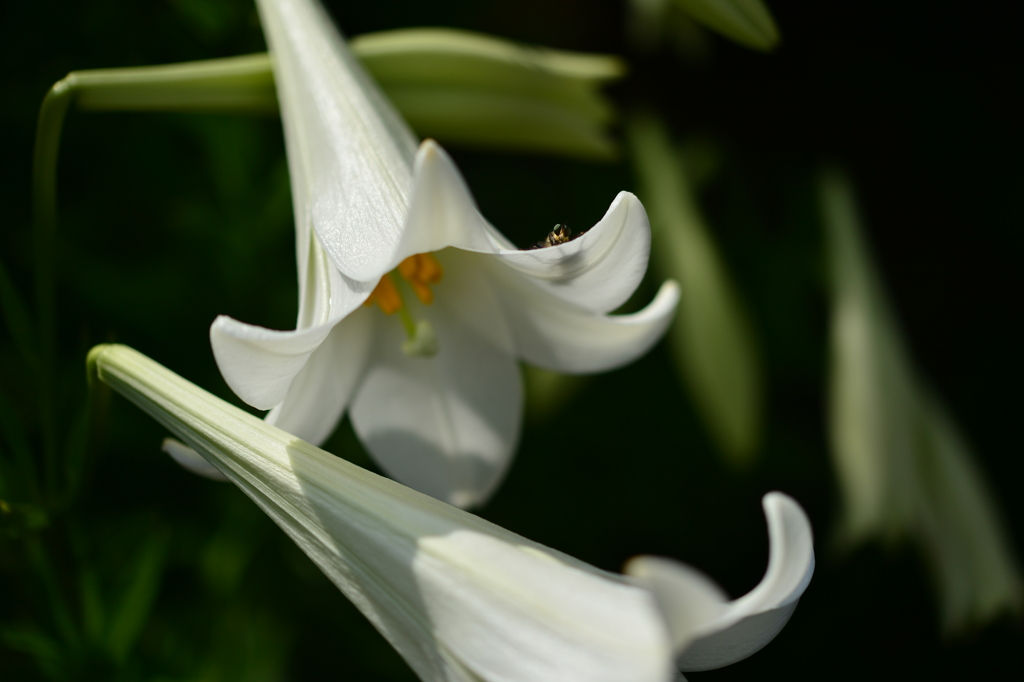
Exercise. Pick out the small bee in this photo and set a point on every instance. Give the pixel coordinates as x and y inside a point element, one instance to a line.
<point>559,234</point>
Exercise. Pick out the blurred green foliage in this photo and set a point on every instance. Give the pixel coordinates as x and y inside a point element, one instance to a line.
<point>711,338</point>
<point>125,567</point>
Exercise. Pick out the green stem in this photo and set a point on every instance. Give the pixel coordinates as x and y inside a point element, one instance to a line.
<point>233,84</point>
<point>408,323</point>
<point>44,199</point>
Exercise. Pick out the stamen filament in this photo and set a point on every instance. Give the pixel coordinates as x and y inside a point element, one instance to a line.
<point>403,314</point>
<point>419,272</point>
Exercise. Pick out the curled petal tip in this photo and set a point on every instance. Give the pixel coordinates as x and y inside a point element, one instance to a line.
<point>259,364</point>
<point>791,563</point>
<point>749,623</point>
<point>669,291</point>
<point>429,146</point>
<point>708,630</point>
<point>430,152</point>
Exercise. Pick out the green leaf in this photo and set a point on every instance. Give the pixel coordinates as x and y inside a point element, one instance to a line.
<point>16,317</point>
<point>43,571</point>
<point>93,613</point>
<point>76,448</point>
<point>748,22</point>
<point>712,338</point>
<point>871,389</point>
<point>18,520</point>
<point>12,428</point>
<point>28,639</point>
<point>130,611</point>
<point>962,531</point>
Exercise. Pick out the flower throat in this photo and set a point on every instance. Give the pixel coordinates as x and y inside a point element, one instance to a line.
<point>419,271</point>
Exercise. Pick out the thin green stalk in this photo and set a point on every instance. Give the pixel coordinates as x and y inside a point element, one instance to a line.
<point>408,323</point>
<point>233,84</point>
<point>44,198</point>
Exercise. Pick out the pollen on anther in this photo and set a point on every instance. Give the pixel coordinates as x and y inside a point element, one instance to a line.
<point>386,295</point>
<point>421,270</point>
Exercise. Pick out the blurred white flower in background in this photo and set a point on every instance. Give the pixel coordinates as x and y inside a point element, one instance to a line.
<point>904,469</point>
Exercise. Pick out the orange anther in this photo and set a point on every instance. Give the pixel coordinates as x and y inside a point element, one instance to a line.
<point>386,295</point>
<point>421,270</point>
<point>423,292</point>
<point>410,267</point>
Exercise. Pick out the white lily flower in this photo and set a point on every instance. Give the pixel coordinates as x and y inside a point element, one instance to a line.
<point>461,598</point>
<point>435,395</point>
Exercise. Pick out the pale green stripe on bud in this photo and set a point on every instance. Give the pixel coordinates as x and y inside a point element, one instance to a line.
<point>473,89</point>
<point>244,83</point>
<point>460,87</point>
<point>448,58</point>
<point>712,338</point>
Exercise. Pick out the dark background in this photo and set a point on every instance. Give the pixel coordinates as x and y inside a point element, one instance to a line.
<point>167,220</point>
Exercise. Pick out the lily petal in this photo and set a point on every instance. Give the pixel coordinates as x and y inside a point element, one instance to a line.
<point>442,211</point>
<point>554,334</point>
<point>730,632</point>
<point>325,294</point>
<point>191,460</point>
<point>319,393</point>
<point>259,364</point>
<point>356,185</point>
<point>688,599</point>
<point>599,270</point>
<point>491,637</point>
<point>446,425</point>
